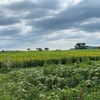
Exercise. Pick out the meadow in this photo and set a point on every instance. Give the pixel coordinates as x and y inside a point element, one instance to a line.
<point>50,75</point>
<point>39,58</point>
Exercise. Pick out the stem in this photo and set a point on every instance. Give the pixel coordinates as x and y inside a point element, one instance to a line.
<point>82,91</point>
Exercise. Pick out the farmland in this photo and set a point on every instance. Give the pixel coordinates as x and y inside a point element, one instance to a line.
<point>50,75</point>
<point>35,58</point>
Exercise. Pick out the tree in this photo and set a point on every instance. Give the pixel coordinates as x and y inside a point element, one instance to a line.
<point>28,49</point>
<point>39,49</point>
<point>3,51</point>
<point>98,47</point>
<point>46,49</point>
<point>80,46</point>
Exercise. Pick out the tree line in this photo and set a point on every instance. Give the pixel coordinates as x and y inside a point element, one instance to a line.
<point>39,49</point>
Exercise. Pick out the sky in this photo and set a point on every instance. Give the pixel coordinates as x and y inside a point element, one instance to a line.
<point>56,24</point>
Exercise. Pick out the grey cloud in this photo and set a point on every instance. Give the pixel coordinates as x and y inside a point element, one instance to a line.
<point>91,27</point>
<point>23,5</point>
<point>4,21</point>
<point>27,10</point>
<point>38,13</point>
<point>6,18</point>
<point>29,5</point>
<point>10,31</point>
<point>49,4</point>
<point>71,17</point>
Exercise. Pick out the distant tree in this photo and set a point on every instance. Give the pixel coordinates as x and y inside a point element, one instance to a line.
<point>3,51</point>
<point>46,49</point>
<point>80,46</point>
<point>99,47</point>
<point>28,49</point>
<point>39,49</point>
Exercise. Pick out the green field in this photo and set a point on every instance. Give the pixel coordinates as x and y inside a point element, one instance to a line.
<point>50,75</point>
<point>36,58</point>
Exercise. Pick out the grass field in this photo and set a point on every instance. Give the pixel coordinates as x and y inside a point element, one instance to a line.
<point>52,75</point>
<point>35,58</point>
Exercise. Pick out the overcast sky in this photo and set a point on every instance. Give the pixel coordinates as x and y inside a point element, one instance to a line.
<point>56,24</point>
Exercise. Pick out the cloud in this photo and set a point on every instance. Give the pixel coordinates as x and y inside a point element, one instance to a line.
<point>9,31</point>
<point>43,23</point>
<point>30,5</point>
<point>92,25</point>
<point>71,17</point>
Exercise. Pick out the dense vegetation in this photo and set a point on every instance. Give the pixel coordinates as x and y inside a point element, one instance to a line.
<point>53,75</point>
